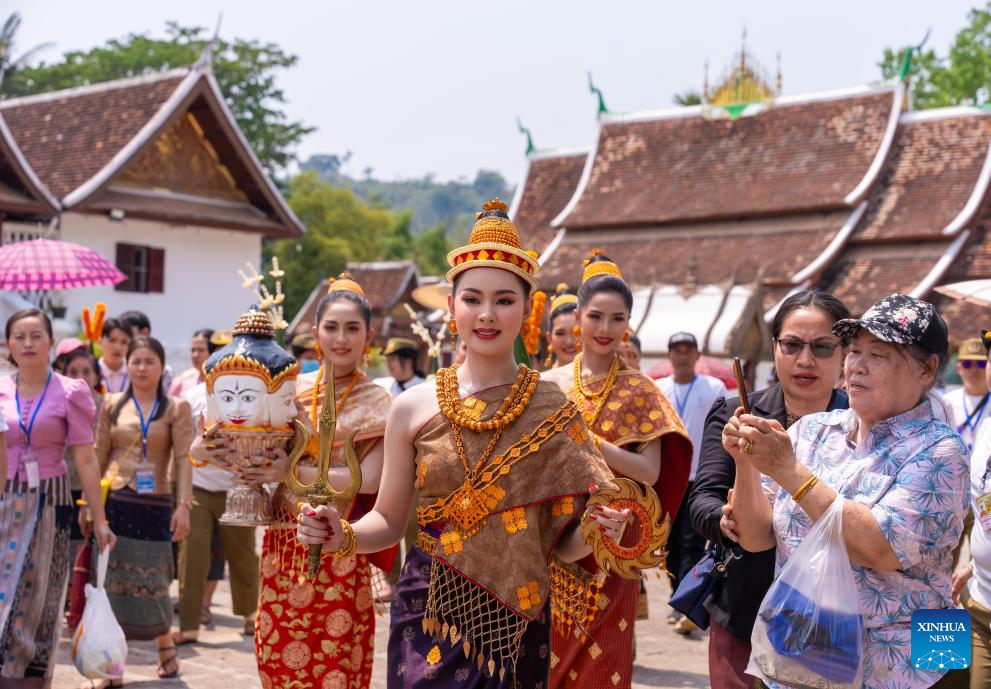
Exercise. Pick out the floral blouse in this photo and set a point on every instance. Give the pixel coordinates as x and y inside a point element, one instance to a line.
<point>912,470</point>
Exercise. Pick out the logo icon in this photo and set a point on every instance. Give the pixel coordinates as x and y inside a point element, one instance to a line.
<point>941,639</point>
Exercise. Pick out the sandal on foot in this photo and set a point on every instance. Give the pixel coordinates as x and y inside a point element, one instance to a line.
<point>182,638</point>
<point>172,660</point>
<point>206,617</point>
<point>249,627</point>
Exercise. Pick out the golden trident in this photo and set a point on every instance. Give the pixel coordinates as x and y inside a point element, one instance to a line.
<point>320,492</point>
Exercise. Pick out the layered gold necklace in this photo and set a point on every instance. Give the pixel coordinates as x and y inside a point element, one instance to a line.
<point>597,399</point>
<point>469,506</point>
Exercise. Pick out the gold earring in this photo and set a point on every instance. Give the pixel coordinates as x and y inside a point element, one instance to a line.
<point>319,352</point>
<point>452,325</point>
<point>626,336</point>
<point>368,350</point>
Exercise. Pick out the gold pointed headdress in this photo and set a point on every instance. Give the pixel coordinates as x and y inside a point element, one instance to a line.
<point>603,267</point>
<point>346,283</point>
<point>494,243</point>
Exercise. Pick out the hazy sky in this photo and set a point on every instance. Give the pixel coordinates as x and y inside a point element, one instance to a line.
<point>425,86</point>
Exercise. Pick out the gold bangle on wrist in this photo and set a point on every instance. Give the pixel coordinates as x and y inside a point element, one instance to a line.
<point>350,544</point>
<point>198,465</point>
<point>805,488</point>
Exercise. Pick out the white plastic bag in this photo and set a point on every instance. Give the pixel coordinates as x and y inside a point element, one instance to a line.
<point>809,631</point>
<point>99,649</point>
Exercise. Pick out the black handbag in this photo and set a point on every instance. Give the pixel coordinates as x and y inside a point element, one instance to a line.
<point>701,584</point>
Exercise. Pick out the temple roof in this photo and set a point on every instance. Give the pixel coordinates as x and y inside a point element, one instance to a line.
<point>384,283</point>
<point>934,169</point>
<point>700,253</point>
<point>860,278</point>
<point>110,145</point>
<point>548,184</point>
<point>70,135</point>
<point>921,224</point>
<point>22,194</point>
<point>805,153</point>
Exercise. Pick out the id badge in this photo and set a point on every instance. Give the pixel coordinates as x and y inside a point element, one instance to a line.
<point>984,511</point>
<point>144,477</point>
<point>31,468</point>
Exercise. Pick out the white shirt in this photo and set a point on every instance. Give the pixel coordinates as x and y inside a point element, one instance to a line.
<point>393,386</point>
<point>211,477</point>
<point>692,401</point>
<point>964,406</point>
<point>114,381</point>
<point>980,541</point>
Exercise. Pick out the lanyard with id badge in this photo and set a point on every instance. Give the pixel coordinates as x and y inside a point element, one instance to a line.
<point>30,462</point>
<point>144,477</point>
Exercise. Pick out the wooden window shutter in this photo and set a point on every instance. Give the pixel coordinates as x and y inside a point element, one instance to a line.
<point>125,264</point>
<point>156,270</point>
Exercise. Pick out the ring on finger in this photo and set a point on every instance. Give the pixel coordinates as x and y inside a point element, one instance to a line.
<point>749,447</point>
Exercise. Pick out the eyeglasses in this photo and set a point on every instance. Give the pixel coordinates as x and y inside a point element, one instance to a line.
<point>968,363</point>
<point>793,347</point>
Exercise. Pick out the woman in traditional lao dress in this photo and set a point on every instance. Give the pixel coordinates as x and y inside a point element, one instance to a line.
<point>503,465</point>
<point>42,413</point>
<point>641,438</point>
<point>142,441</point>
<point>319,634</point>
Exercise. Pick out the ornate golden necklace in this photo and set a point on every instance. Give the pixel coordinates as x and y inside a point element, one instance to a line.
<point>451,405</point>
<point>599,398</point>
<point>469,506</point>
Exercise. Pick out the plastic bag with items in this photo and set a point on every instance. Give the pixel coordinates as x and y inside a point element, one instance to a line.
<point>99,649</point>
<point>809,631</point>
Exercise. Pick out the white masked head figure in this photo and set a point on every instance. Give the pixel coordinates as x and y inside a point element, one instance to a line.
<point>251,383</point>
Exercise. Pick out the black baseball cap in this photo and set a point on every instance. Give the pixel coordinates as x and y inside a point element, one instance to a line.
<point>683,338</point>
<point>899,319</point>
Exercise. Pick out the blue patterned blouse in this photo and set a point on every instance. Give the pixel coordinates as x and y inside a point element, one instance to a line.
<point>912,471</point>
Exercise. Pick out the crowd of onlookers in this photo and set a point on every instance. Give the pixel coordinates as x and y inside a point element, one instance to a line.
<point>855,409</point>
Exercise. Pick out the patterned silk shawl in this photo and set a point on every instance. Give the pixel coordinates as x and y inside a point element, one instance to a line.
<point>636,413</point>
<point>490,571</point>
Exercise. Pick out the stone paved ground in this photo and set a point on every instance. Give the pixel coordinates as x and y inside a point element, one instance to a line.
<point>224,659</point>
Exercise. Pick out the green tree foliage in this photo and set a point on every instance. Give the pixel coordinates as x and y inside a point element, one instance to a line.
<point>452,204</point>
<point>961,77</point>
<point>690,97</point>
<point>8,41</point>
<point>342,227</point>
<point>245,71</point>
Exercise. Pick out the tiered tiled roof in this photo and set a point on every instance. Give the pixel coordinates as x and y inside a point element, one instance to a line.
<point>801,155</point>
<point>84,141</point>
<point>22,194</point>
<point>550,182</point>
<point>69,136</point>
<point>703,253</point>
<point>385,283</point>
<point>910,236</point>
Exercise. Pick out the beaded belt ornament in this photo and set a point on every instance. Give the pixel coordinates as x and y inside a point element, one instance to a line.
<point>576,598</point>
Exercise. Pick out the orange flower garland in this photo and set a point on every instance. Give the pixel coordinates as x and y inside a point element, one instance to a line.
<point>93,327</point>
<point>531,338</point>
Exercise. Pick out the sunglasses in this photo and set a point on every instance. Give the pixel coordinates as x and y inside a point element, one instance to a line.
<point>793,347</point>
<point>967,363</point>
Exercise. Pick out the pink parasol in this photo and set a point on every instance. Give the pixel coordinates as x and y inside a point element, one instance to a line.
<point>706,366</point>
<point>47,264</point>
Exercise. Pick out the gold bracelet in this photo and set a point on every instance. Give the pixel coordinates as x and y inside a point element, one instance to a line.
<point>806,487</point>
<point>198,465</point>
<point>350,543</point>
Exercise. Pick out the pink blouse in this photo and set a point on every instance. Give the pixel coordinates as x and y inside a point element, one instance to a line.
<point>65,419</point>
